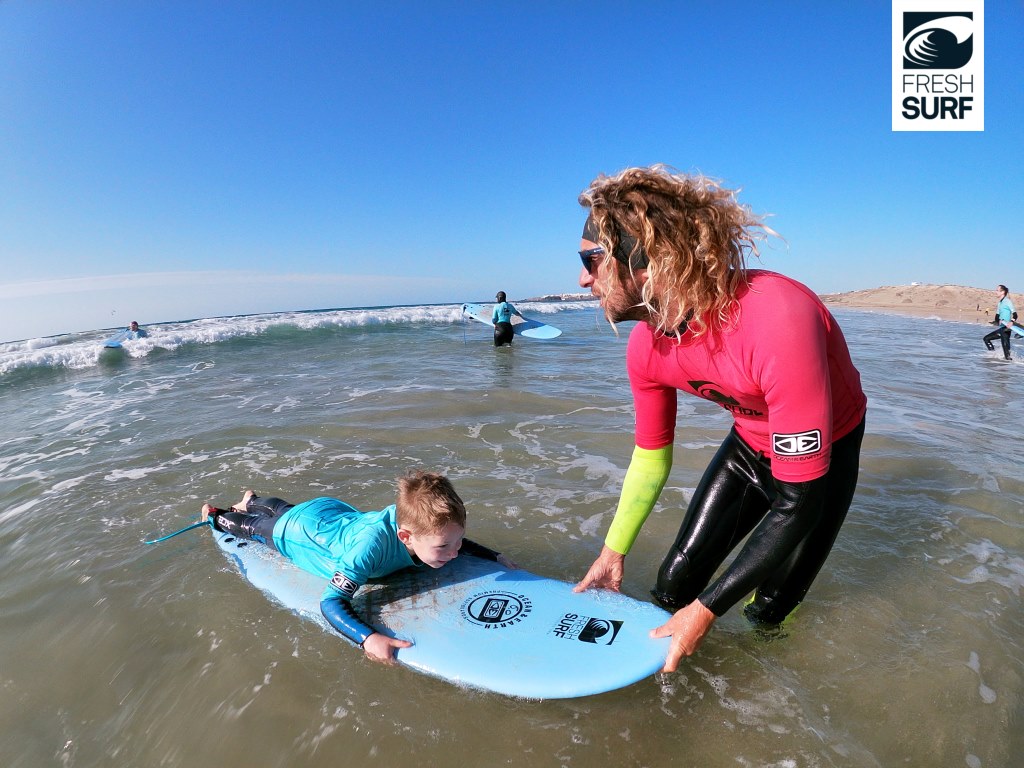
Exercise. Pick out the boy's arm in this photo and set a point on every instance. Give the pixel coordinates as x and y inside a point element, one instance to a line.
<point>471,548</point>
<point>336,606</point>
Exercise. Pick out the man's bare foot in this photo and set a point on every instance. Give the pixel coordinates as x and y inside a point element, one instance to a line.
<point>242,506</point>
<point>205,514</point>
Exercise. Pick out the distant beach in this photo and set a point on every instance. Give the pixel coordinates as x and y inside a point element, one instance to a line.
<point>946,302</point>
<point>920,300</point>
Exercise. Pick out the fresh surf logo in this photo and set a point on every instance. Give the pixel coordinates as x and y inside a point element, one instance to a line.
<point>587,629</point>
<point>938,65</point>
<point>495,610</point>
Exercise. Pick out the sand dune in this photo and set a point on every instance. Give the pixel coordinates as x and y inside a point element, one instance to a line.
<point>948,302</point>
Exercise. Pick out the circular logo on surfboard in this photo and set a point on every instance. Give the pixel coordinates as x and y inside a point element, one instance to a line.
<point>496,610</point>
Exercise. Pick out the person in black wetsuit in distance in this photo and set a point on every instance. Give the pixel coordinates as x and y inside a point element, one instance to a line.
<point>1005,315</point>
<point>501,316</point>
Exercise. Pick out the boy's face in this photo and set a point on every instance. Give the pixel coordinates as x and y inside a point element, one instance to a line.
<point>434,549</point>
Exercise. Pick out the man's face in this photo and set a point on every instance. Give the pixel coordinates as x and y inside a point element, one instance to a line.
<point>619,302</point>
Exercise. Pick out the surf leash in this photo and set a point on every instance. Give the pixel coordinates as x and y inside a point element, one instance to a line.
<point>183,530</point>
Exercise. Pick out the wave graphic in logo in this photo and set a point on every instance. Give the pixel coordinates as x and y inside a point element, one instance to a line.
<point>933,41</point>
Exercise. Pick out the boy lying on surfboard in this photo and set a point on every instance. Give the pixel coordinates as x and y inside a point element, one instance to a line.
<point>327,537</point>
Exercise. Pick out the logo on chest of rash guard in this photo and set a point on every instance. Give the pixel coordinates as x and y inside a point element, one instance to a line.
<point>711,391</point>
<point>799,444</point>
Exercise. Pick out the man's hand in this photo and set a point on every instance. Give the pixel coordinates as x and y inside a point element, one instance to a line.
<point>687,628</point>
<point>382,648</point>
<point>605,573</point>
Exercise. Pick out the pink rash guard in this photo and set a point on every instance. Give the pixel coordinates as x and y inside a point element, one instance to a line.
<point>782,369</point>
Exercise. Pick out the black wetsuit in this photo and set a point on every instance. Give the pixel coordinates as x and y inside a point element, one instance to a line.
<point>735,494</point>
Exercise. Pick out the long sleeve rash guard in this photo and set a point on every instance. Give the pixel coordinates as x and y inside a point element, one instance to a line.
<point>781,368</point>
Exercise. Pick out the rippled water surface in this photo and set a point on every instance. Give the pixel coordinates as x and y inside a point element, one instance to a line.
<point>907,651</point>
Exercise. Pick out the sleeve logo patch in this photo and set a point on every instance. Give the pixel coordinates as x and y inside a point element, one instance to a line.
<point>799,444</point>
<point>344,584</point>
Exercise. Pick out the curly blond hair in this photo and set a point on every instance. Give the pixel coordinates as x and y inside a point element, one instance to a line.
<point>695,235</point>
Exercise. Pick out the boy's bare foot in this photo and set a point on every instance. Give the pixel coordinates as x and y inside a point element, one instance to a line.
<point>242,506</point>
<point>205,514</point>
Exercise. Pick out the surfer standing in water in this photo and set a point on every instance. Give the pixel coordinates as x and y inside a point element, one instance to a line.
<point>669,251</point>
<point>1004,319</point>
<point>501,316</point>
<point>329,538</point>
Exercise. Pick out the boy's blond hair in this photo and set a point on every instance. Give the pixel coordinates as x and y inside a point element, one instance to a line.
<point>427,503</point>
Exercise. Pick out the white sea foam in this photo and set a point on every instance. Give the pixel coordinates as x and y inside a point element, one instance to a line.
<point>83,350</point>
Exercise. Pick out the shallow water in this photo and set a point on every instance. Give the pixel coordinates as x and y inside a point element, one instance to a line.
<point>907,651</point>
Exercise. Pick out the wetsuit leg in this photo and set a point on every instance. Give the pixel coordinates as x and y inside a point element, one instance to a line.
<point>1003,334</point>
<point>783,591</point>
<point>503,334</point>
<point>733,495</point>
<point>270,506</point>
<point>257,522</point>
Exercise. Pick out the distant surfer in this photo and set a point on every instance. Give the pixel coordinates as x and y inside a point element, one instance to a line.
<point>1005,316</point>
<point>135,330</point>
<point>670,251</point>
<point>501,316</point>
<point>327,537</point>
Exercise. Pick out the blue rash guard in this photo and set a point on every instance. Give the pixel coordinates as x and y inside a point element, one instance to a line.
<point>332,539</point>
<point>1005,310</point>
<point>502,313</point>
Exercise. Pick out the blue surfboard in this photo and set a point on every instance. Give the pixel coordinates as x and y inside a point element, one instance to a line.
<point>476,623</point>
<point>531,329</point>
<point>114,342</point>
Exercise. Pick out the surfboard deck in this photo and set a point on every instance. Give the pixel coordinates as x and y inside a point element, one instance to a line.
<point>531,329</point>
<point>476,623</point>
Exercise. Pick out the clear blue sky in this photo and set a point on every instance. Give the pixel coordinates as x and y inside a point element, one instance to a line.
<point>169,159</point>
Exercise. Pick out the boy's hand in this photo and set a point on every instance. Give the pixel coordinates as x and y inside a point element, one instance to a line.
<point>382,648</point>
<point>508,562</point>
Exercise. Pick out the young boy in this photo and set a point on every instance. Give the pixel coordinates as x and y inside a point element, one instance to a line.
<point>332,539</point>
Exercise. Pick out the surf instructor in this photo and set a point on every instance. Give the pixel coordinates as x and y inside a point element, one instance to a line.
<point>670,251</point>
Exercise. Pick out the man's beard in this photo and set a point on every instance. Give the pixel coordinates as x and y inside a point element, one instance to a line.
<point>625,302</point>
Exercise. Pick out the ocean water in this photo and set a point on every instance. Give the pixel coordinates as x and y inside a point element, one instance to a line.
<point>907,651</point>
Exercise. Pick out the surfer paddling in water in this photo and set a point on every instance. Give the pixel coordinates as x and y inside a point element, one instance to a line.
<point>669,251</point>
<point>327,537</point>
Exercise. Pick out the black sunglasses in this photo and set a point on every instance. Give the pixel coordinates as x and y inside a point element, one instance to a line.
<point>589,257</point>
